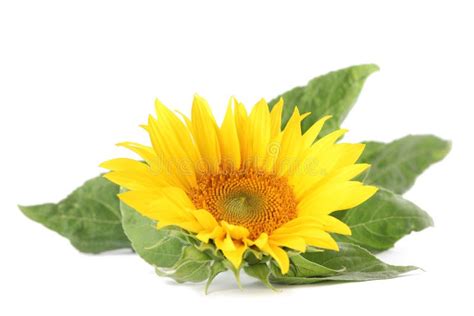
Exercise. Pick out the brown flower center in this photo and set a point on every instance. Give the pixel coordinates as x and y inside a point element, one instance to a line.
<point>257,200</point>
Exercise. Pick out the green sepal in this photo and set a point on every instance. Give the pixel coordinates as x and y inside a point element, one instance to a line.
<point>260,271</point>
<point>216,268</point>
<point>193,266</point>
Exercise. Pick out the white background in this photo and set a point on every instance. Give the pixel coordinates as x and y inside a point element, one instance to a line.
<point>78,77</point>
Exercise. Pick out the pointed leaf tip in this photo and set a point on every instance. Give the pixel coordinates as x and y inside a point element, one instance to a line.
<point>333,93</point>
<point>89,217</point>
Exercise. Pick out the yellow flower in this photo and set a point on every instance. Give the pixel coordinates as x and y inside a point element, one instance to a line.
<point>246,183</point>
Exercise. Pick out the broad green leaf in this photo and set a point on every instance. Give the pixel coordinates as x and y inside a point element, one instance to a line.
<point>353,262</point>
<point>396,165</point>
<point>89,217</point>
<point>331,94</point>
<point>159,247</point>
<point>260,271</point>
<point>381,221</point>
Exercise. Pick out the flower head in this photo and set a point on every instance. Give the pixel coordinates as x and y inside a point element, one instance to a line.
<point>246,183</point>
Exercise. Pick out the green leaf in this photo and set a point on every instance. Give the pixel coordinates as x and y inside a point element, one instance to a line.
<point>304,267</point>
<point>260,271</point>
<point>334,93</point>
<point>381,221</point>
<point>89,217</point>
<point>396,165</point>
<point>159,247</point>
<point>173,252</point>
<point>353,263</point>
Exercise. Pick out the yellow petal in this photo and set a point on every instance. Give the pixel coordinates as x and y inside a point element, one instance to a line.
<point>261,241</point>
<point>242,124</point>
<point>321,222</point>
<point>325,199</point>
<point>205,133</point>
<point>348,172</point>
<point>324,146</point>
<point>275,116</point>
<point>299,224</point>
<point>358,196</point>
<point>125,164</point>
<point>135,180</point>
<point>170,205</point>
<point>179,133</point>
<point>280,256</point>
<point>335,196</point>
<point>132,174</point>
<point>315,237</point>
<point>225,243</point>
<point>216,233</point>
<point>264,243</point>
<point>291,144</point>
<point>146,152</point>
<point>350,153</point>
<point>329,139</point>
<point>312,230</point>
<point>289,241</point>
<point>176,158</point>
<point>273,151</point>
<point>235,231</point>
<point>310,136</point>
<point>333,225</point>
<point>321,240</point>
<point>312,170</point>
<point>205,218</point>
<point>186,119</point>
<point>322,161</point>
<point>260,133</point>
<point>229,141</point>
<point>235,256</point>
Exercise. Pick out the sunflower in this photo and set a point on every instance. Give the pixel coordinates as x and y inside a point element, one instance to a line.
<point>245,184</point>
